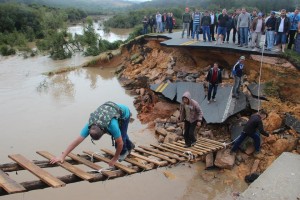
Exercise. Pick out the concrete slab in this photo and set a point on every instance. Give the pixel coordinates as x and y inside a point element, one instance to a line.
<point>292,122</point>
<point>253,87</point>
<point>196,90</point>
<point>253,102</point>
<point>280,181</point>
<point>175,40</point>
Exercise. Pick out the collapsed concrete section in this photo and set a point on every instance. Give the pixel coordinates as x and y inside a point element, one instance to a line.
<point>214,112</point>
<point>280,181</point>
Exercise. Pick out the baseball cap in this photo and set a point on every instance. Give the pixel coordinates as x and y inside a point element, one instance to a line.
<point>260,14</point>
<point>272,13</point>
<point>242,58</point>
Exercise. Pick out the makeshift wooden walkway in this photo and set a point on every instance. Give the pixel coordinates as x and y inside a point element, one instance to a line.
<point>141,159</point>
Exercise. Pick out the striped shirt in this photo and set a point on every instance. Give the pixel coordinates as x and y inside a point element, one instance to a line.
<point>196,18</point>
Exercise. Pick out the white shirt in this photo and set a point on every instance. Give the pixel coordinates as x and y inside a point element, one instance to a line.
<point>281,26</point>
<point>258,26</point>
<point>212,17</point>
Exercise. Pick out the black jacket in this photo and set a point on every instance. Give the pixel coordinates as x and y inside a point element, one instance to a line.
<point>254,124</point>
<point>210,74</point>
<point>286,27</point>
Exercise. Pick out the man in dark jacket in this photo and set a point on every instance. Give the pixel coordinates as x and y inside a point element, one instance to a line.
<point>205,22</point>
<point>213,22</point>
<point>270,26</point>
<point>214,77</point>
<point>282,29</point>
<point>237,73</point>
<point>152,23</point>
<point>252,129</point>
<point>191,114</point>
<point>186,19</point>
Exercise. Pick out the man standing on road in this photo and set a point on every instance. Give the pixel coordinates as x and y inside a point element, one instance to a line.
<point>214,78</point>
<point>243,25</point>
<point>205,22</point>
<point>235,30</point>
<point>257,29</point>
<point>270,33</point>
<point>186,19</point>
<point>237,72</point>
<point>108,118</point>
<point>294,19</point>
<point>282,29</point>
<point>213,22</point>
<point>222,21</point>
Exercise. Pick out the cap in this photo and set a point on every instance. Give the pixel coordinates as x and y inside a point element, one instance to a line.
<point>260,14</point>
<point>242,58</point>
<point>272,13</point>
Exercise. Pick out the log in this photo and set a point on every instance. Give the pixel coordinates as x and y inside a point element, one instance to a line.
<point>255,166</point>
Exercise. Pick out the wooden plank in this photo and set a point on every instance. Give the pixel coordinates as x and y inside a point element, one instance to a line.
<point>156,162</point>
<point>193,147</point>
<point>75,170</point>
<point>172,146</point>
<point>162,153</point>
<point>92,165</point>
<point>118,165</point>
<point>208,145</point>
<point>212,141</point>
<point>179,153</point>
<point>200,146</point>
<point>132,161</point>
<point>10,185</point>
<point>45,176</point>
<point>173,161</point>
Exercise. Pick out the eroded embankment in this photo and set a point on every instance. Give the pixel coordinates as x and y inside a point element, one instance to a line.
<point>145,62</point>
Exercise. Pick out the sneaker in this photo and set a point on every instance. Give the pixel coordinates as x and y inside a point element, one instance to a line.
<point>187,146</point>
<point>123,156</point>
<point>193,144</point>
<point>214,100</point>
<point>208,101</point>
<point>240,45</point>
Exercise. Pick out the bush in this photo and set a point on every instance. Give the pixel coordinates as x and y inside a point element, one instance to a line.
<point>6,50</point>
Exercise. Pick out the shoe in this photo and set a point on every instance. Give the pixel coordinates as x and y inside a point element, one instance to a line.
<point>233,96</point>
<point>240,45</point>
<point>214,100</point>
<point>123,156</point>
<point>208,101</point>
<point>187,146</point>
<point>193,144</point>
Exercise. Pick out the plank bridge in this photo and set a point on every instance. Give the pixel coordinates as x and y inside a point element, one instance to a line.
<point>141,159</point>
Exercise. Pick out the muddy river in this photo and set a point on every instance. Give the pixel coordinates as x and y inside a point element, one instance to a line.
<point>47,113</point>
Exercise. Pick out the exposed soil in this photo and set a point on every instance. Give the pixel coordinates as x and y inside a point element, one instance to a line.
<point>146,62</point>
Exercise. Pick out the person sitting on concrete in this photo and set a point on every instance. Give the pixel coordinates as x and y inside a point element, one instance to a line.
<point>237,72</point>
<point>108,118</point>
<point>214,78</point>
<point>191,114</point>
<point>252,129</point>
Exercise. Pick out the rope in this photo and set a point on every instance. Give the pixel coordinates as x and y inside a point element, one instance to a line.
<point>260,70</point>
<point>227,144</point>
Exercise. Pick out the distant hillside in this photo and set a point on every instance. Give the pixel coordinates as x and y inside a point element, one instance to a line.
<point>87,5</point>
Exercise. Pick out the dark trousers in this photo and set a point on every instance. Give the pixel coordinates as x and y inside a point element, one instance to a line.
<point>212,88</point>
<point>212,32</point>
<point>234,35</point>
<point>127,144</point>
<point>242,137</point>
<point>189,132</point>
<point>227,34</point>
<point>291,36</point>
<point>190,29</point>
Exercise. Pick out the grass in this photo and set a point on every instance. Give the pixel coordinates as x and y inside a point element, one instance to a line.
<point>293,57</point>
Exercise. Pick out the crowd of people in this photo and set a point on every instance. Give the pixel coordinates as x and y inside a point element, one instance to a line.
<point>280,28</point>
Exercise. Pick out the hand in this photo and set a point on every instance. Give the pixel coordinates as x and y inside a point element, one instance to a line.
<point>57,159</point>
<point>112,162</point>
<point>199,124</point>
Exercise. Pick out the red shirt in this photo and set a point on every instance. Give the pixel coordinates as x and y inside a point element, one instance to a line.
<point>214,76</point>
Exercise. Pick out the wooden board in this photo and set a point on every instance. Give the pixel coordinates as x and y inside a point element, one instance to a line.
<point>199,146</point>
<point>172,146</point>
<point>208,145</point>
<point>45,176</point>
<point>132,161</point>
<point>9,185</point>
<point>118,165</point>
<point>92,165</point>
<point>212,141</point>
<point>193,147</point>
<point>173,161</point>
<point>75,170</point>
<point>179,153</point>
<point>162,153</point>
<point>156,162</point>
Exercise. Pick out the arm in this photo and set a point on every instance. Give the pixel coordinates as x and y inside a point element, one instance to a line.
<point>72,146</point>
<point>198,112</point>
<point>261,129</point>
<point>119,143</point>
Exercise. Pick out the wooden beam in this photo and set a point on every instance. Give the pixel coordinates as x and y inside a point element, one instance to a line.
<point>10,185</point>
<point>156,162</point>
<point>199,146</point>
<point>179,153</point>
<point>172,146</point>
<point>37,171</point>
<point>118,165</point>
<point>193,147</point>
<point>212,141</point>
<point>163,153</point>
<point>75,170</point>
<point>163,157</point>
<point>132,161</point>
<point>92,165</point>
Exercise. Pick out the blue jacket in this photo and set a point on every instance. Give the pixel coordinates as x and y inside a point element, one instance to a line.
<point>294,19</point>
<point>238,69</point>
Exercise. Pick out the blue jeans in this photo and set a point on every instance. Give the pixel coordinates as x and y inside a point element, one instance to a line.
<point>127,145</point>
<point>145,30</point>
<point>242,137</point>
<point>281,38</point>
<point>196,28</point>
<point>159,27</point>
<point>236,86</point>
<point>270,39</point>
<point>206,32</point>
<point>244,35</point>
<point>212,87</point>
